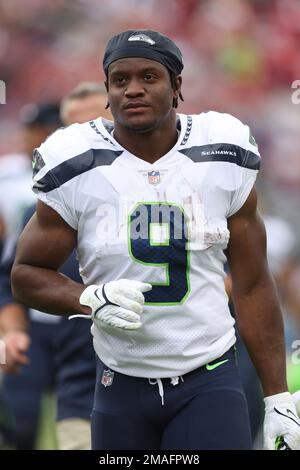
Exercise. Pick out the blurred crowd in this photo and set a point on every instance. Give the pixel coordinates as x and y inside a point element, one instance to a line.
<point>240,56</point>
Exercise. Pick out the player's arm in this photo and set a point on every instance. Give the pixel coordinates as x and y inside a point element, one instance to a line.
<point>260,323</point>
<point>257,308</point>
<point>45,244</point>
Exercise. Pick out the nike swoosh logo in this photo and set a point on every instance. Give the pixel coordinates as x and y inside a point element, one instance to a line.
<point>214,366</point>
<point>280,444</point>
<point>286,416</point>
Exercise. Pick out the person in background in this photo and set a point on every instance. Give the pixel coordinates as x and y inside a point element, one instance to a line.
<point>37,122</point>
<point>83,103</point>
<point>67,358</point>
<point>22,393</point>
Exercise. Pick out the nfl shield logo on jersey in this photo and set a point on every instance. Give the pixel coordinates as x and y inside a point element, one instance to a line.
<point>153,177</point>
<point>107,378</point>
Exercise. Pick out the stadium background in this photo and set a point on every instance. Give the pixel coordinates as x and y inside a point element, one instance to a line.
<point>240,56</point>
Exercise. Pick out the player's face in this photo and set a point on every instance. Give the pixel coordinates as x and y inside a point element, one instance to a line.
<point>140,93</point>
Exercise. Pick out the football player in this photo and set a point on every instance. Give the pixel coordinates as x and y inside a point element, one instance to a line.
<point>151,202</point>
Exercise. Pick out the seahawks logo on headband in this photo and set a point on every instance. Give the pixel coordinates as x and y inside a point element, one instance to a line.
<point>141,37</point>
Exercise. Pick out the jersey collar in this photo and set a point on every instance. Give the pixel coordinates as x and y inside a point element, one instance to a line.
<point>183,125</point>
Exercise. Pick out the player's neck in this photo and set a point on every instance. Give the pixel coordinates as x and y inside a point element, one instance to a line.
<point>149,146</point>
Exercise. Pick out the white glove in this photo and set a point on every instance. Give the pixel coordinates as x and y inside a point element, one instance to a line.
<point>118,303</point>
<point>296,400</point>
<point>281,425</point>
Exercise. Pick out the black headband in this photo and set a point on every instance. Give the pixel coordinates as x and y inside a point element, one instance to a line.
<point>147,44</point>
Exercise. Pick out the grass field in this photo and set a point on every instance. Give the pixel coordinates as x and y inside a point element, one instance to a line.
<point>46,438</point>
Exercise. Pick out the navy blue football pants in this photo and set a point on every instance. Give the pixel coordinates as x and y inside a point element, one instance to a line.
<point>207,410</point>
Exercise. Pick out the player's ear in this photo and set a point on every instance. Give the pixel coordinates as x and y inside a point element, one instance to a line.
<point>178,83</point>
<point>106,86</point>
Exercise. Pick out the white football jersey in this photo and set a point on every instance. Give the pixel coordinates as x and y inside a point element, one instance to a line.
<point>163,223</point>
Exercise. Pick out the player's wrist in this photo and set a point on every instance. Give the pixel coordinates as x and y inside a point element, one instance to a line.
<point>92,297</point>
<point>274,386</point>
